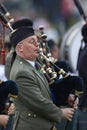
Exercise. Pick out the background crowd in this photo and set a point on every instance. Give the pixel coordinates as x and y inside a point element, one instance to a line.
<point>57,16</point>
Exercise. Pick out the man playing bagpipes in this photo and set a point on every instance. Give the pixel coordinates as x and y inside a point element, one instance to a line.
<point>25,34</point>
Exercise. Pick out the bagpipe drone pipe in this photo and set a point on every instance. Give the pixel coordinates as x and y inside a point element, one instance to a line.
<point>60,88</point>
<point>5,22</point>
<point>5,17</point>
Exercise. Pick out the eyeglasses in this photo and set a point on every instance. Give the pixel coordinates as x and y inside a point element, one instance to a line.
<point>34,41</point>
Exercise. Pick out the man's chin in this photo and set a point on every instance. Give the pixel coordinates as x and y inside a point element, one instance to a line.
<point>37,55</point>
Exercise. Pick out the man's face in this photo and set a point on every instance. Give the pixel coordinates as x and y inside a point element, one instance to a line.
<point>30,48</point>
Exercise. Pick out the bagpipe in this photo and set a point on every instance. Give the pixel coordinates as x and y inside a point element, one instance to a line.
<point>8,92</point>
<point>8,89</point>
<point>60,88</point>
<point>5,20</point>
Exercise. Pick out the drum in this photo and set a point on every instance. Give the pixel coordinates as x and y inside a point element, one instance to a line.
<point>70,45</point>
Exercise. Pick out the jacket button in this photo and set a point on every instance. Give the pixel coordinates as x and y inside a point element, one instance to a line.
<point>35,115</point>
<point>21,62</point>
<point>29,114</point>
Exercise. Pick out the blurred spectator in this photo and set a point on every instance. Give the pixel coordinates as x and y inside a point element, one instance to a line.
<point>55,51</point>
<point>80,117</point>
<point>49,29</point>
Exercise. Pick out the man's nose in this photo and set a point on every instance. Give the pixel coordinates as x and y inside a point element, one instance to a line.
<point>37,43</point>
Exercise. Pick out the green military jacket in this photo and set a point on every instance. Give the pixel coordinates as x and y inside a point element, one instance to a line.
<point>34,107</point>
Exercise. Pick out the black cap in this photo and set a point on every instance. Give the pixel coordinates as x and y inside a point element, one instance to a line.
<point>20,34</point>
<point>84,32</point>
<point>22,23</point>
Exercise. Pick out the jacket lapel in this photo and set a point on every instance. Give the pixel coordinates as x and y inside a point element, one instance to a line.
<point>43,80</point>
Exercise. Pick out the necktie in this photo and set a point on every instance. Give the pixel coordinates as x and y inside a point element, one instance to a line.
<point>37,67</point>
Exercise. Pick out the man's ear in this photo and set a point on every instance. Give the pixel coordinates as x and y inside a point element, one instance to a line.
<point>19,47</point>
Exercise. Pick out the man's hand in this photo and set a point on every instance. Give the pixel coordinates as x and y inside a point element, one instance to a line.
<point>72,101</point>
<point>11,109</point>
<point>4,120</point>
<point>67,113</point>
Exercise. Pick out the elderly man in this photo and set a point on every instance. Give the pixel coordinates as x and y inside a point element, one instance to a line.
<point>34,107</point>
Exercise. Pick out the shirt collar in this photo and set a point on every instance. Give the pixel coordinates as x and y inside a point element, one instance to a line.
<point>31,62</point>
